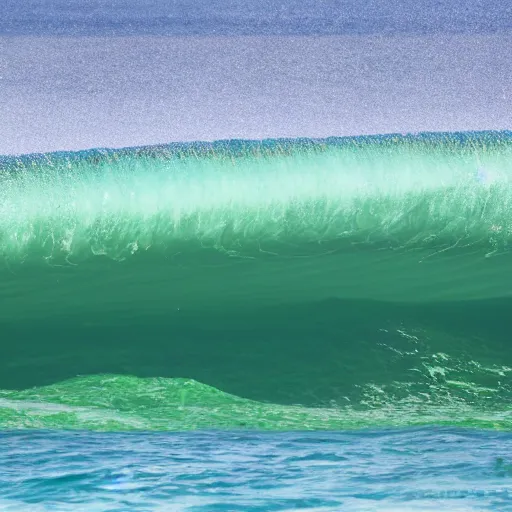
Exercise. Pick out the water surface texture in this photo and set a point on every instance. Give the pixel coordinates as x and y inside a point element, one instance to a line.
<point>418,470</point>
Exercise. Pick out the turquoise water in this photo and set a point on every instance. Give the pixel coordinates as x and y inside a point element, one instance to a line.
<point>386,470</point>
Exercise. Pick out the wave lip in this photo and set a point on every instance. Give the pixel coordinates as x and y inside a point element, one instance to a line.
<point>201,226</point>
<point>253,198</point>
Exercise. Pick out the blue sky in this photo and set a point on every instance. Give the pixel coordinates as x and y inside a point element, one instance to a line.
<point>185,70</point>
<point>256,17</point>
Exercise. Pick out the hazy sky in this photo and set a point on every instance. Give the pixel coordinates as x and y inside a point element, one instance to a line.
<point>253,17</point>
<point>85,73</point>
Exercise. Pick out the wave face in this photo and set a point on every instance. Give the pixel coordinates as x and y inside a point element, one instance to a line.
<point>276,284</point>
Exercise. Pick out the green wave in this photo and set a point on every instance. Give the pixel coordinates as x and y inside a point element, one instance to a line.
<point>258,198</point>
<point>124,403</point>
<point>283,284</point>
<point>342,367</point>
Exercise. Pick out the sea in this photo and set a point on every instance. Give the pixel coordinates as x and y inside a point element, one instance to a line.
<point>255,258</point>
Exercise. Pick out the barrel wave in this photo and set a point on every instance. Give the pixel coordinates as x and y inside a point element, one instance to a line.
<point>277,284</point>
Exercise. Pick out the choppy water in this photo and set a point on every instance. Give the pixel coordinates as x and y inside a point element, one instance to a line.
<point>450,470</point>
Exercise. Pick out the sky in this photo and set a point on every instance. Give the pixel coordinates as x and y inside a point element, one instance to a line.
<point>253,17</point>
<point>98,73</point>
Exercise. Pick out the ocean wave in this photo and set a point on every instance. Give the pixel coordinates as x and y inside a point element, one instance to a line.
<point>125,403</point>
<point>251,199</point>
<point>277,284</point>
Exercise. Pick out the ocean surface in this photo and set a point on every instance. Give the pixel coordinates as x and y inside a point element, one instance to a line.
<point>386,470</point>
